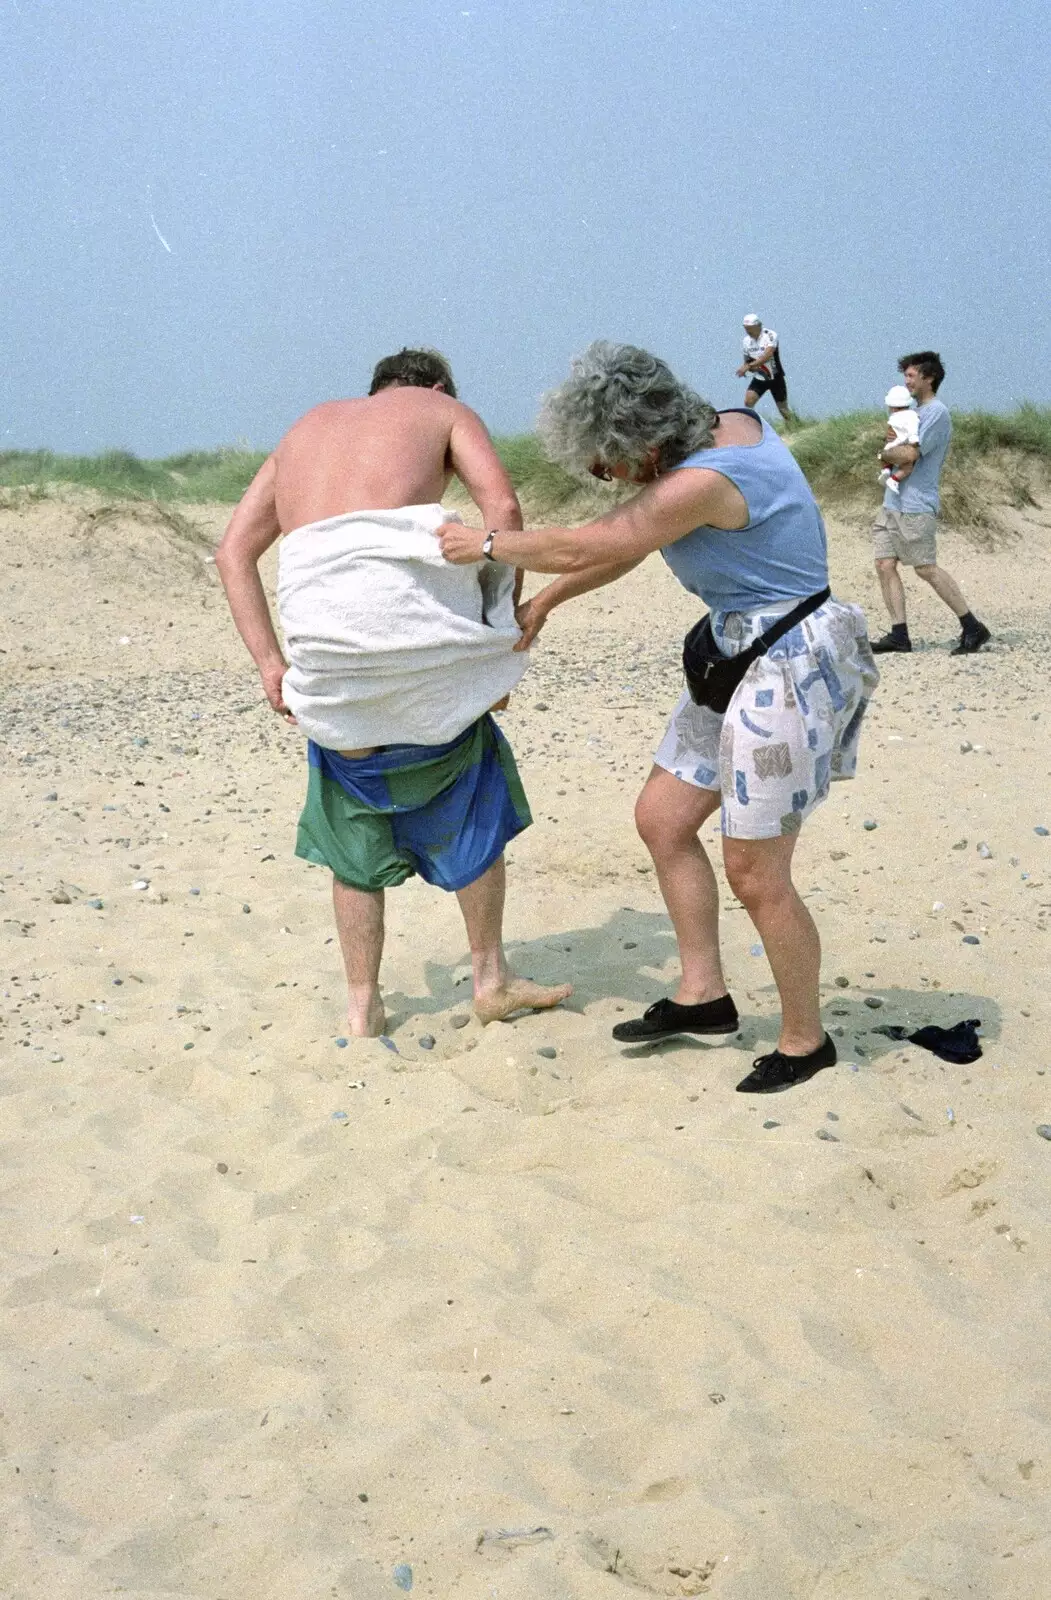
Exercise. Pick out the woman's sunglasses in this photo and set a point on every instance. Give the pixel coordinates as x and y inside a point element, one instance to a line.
<point>601,472</point>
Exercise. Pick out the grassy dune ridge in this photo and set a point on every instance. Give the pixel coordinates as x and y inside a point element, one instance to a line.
<point>995,457</point>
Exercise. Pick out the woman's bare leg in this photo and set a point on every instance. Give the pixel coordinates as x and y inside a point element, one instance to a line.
<point>668,815</point>
<point>760,874</point>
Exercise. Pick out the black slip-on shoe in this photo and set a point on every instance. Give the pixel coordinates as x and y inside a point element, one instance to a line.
<point>664,1019</point>
<point>775,1072</point>
<point>889,644</point>
<point>971,640</point>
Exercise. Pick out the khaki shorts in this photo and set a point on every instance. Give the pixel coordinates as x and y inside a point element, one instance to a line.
<point>908,535</point>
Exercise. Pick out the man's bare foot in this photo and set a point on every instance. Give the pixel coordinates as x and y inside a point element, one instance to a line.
<point>518,994</point>
<point>372,1024</point>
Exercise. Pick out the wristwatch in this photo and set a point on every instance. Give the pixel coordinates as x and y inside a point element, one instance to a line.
<point>487,544</point>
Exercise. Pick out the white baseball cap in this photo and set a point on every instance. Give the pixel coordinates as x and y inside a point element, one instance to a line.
<point>752,321</point>
<point>897,397</point>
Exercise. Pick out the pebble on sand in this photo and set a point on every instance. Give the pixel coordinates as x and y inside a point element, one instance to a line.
<point>1043,832</point>
<point>869,825</point>
<point>426,1041</point>
<point>402,1575</point>
<point>873,1002</point>
<point>970,938</point>
<point>842,983</point>
<point>548,1052</point>
<point>1044,1130</point>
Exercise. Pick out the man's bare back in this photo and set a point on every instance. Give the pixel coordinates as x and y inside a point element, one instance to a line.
<point>399,447</point>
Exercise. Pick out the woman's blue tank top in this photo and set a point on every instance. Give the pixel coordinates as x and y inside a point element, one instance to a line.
<point>781,554</point>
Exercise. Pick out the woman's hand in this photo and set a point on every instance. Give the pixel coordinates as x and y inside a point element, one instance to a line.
<point>460,545</point>
<point>530,618</point>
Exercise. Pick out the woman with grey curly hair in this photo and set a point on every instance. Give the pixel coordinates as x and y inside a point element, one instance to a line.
<point>621,404</point>
<point>779,674</point>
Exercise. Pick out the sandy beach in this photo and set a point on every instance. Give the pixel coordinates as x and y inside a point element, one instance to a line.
<point>511,1313</point>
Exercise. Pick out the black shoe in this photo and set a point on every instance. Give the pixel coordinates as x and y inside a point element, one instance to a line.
<point>770,1074</point>
<point>891,643</point>
<point>972,639</point>
<point>665,1019</point>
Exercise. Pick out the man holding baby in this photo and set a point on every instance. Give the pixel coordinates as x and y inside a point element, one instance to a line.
<point>906,527</point>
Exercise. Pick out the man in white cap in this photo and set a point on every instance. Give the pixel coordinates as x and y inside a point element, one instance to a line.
<point>762,366</point>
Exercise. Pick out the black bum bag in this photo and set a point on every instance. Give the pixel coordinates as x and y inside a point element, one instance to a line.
<point>712,677</point>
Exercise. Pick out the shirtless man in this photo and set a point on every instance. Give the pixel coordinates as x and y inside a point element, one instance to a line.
<point>399,447</point>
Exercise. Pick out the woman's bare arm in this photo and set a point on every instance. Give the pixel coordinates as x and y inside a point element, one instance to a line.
<point>534,613</point>
<point>662,513</point>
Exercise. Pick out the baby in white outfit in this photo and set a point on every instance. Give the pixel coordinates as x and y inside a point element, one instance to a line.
<point>903,427</point>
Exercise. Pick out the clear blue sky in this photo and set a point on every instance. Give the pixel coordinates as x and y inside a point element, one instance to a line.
<point>218,212</point>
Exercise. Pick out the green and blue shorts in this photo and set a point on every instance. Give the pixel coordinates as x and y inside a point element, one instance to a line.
<point>444,811</point>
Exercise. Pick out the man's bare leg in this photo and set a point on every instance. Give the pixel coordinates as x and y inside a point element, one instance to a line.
<point>359,923</point>
<point>892,587</point>
<point>945,587</point>
<point>497,992</point>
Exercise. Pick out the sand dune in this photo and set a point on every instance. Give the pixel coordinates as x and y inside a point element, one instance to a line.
<point>282,1318</point>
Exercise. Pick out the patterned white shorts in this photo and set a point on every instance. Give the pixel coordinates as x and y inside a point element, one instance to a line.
<point>792,726</point>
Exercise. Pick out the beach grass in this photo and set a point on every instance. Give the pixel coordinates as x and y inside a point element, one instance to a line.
<point>994,456</point>
<point>996,459</point>
<point>195,477</point>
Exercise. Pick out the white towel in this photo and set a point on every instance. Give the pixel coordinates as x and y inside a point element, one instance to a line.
<point>387,642</point>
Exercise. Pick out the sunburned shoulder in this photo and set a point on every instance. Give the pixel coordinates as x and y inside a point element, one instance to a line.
<point>326,414</point>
